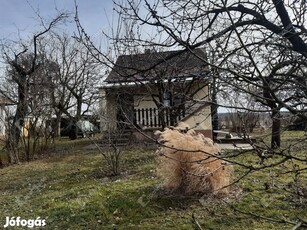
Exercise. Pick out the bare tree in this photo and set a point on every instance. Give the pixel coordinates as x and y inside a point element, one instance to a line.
<point>170,78</point>
<point>23,61</point>
<point>257,48</point>
<point>261,49</point>
<point>34,131</point>
<point>74,77</point>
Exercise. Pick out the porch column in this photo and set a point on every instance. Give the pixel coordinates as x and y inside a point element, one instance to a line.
<point>107,111</point>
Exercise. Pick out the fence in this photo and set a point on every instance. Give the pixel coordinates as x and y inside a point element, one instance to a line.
<point>149,117</point>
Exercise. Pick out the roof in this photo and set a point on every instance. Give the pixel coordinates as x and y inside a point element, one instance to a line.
<point>150,66</point>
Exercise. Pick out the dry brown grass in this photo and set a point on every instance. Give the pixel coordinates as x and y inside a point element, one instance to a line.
<point>188,164</point>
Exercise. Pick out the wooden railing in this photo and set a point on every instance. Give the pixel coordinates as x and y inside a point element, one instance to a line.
<point>149,117</point>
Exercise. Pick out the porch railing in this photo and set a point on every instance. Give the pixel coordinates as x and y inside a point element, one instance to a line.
<point>149,117</point>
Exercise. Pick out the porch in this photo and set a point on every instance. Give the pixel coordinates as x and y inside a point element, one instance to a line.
<point>132,106</point>
<point>149,118</point>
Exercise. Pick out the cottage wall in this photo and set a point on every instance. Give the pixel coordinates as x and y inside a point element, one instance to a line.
<point>201,121</point>
<point>143,102</point>
<point>200,110</point>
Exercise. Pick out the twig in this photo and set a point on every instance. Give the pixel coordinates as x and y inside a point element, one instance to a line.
<point>302,223</point>
<point>196,222</point>
<point>299,224</point>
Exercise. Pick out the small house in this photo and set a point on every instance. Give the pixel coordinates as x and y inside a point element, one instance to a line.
<point>153,90</point>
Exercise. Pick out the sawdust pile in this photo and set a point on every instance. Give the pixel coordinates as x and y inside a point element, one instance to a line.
<point>189,163</point>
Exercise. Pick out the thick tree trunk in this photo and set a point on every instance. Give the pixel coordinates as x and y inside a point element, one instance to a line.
<point>173,116</point>
<point>161,115</point>
<point>276,124</point>
<point>77,118</point>
<point>21,111</point>
<point>17,125</point>
<point>73,135</point>
<point>275,136</point>
<point>57,125</point>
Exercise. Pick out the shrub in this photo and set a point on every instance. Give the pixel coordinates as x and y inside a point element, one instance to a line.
<point>190,163</point>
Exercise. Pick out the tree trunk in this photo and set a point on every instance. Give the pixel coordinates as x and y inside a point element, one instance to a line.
<point>16,129</point>
<point>21,110</point>
<point>73,134</point>
<point>57,125</point>
<point>214,107</point>
<point>275,138</point>
<point>173,116</point>
<point>161,115</point>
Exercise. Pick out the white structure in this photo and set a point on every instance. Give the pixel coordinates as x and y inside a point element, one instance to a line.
<point>4,102</point>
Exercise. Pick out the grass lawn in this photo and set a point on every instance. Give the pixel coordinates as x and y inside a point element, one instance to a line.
<point>70,190</point>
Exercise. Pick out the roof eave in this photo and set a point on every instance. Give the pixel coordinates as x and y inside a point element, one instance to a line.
<point>118,84</point>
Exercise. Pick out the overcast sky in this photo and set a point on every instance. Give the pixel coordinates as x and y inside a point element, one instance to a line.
<point>19,15</point>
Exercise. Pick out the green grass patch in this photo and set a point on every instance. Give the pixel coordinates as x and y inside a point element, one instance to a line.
<point>71,190</point>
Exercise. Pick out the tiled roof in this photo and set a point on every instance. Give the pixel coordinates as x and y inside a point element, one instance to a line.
<point>150,66</point>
